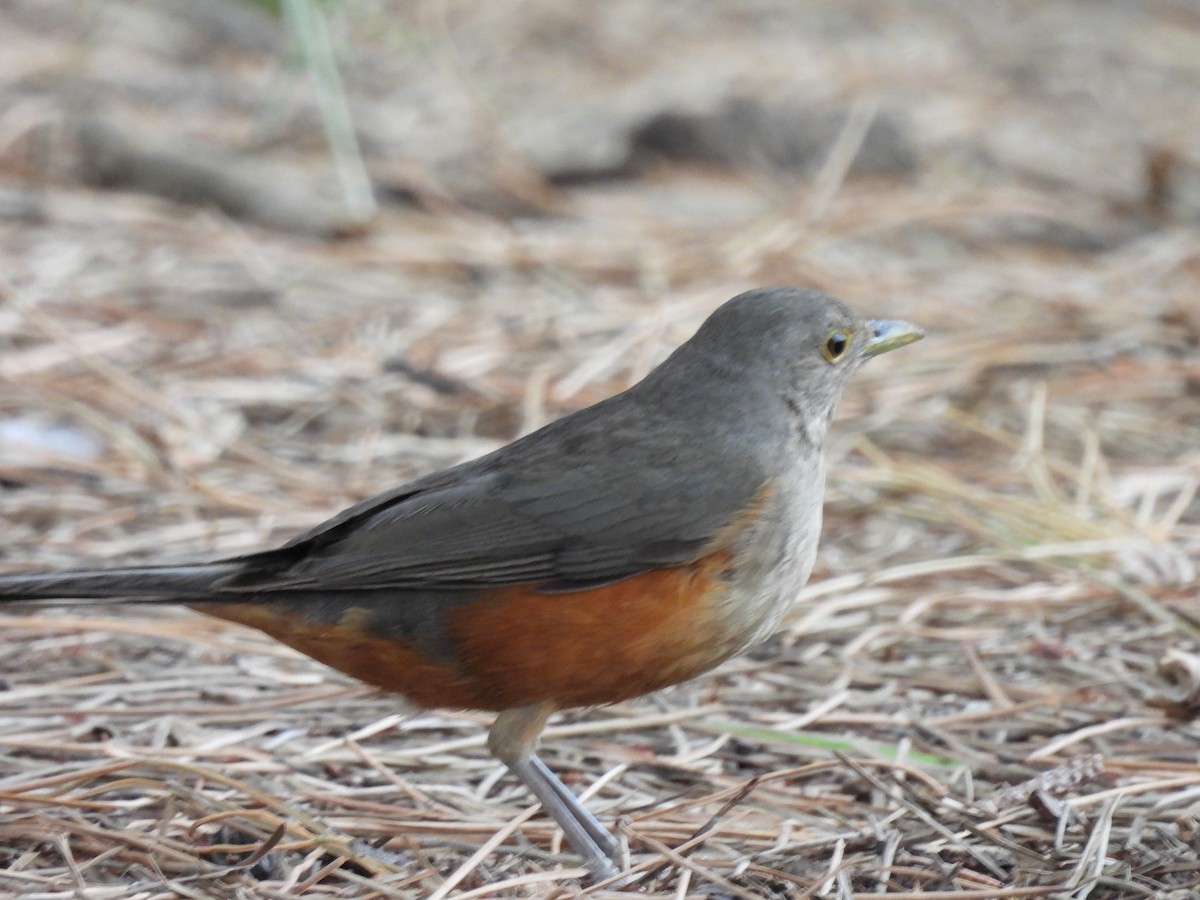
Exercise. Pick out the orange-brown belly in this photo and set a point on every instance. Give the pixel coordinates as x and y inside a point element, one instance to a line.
<point>515,646</point>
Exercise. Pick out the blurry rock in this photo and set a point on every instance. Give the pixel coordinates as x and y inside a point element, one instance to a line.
<point>1172,185</point>
<point>267,194</point>
<point>228,24</point>
<point>586,143</point>
<point>191,31</point>
<point>1048,231</point>
<point>747,133</point>
<point>19,205</point>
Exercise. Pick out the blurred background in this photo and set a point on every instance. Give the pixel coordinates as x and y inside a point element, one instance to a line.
<point>259,260</point>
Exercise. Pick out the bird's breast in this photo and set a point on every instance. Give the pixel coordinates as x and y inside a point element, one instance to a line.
<point>774,557</point>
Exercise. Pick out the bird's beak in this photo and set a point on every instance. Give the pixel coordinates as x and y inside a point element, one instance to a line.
<point>888,334</point>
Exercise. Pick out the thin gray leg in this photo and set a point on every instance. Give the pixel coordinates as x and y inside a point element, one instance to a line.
<point>591,825</point>
<point>513,739</point>
<point>577,823</point>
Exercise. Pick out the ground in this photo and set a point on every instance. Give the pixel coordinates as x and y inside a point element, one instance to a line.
<point>210,339</point>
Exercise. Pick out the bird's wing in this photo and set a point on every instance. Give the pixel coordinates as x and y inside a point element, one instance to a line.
<point>566,508</point>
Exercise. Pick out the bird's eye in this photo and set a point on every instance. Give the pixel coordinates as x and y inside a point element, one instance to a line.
<point>835,345</point>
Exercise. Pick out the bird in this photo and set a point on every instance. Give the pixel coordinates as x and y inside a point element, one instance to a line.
<point>623,548</point>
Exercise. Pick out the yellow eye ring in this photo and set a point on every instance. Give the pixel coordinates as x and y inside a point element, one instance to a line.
<point>835,345</point>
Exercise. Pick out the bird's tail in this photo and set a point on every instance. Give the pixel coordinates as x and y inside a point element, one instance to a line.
<point>133,584</point>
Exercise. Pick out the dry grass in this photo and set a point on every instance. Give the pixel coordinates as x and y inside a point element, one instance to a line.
<point>988,689</point>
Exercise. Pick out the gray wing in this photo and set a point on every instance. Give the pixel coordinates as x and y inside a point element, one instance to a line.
<point>566,507</point>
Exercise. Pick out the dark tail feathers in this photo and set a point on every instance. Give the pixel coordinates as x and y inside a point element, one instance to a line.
<point>135,584</point>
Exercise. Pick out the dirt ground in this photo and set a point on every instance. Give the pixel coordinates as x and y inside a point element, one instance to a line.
<point>254,267</point>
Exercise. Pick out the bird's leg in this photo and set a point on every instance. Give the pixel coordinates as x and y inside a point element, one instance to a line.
<point>513,740</point>
<point>597,832</point>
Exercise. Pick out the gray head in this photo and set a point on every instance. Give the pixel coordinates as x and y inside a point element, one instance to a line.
<point>789,345</point>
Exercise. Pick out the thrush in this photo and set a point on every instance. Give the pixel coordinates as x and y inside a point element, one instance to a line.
<point>623,548</point>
